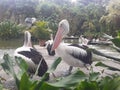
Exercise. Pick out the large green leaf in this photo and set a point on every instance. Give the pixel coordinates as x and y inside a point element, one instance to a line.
<point>22,65</point>
<point>116,41</point>
<point>47,86</point>
<point>24,82</point>
<point>70,80</point>
<point>84,85</point>
<point>7,65</point>
<point>93,76</point>
<point>54,65</point>
<point>1,86</point>
<point>67,82</point>
<point>109,83</point>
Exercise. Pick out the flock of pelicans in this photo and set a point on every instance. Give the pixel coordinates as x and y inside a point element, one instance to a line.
<point>74,55</point>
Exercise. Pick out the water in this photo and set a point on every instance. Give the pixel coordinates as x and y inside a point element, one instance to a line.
<point>9,46</point>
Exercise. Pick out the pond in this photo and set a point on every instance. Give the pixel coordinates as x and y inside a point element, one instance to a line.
<point>8,46</point>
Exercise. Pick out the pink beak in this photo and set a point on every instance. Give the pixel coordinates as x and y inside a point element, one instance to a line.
<point>58,39</point>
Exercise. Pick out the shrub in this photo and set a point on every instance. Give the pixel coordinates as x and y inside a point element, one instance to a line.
<point>40,30</point>
<point>10,30</point>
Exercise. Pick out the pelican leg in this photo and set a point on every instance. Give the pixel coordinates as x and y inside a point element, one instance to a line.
<point>70,69</point>
<point>68,72</point>
<point>54,75</point>
<point>86,67</point>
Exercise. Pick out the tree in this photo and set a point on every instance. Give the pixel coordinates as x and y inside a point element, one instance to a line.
<point>112,20</point>
<point>10,30</point>
<point>18,10</point>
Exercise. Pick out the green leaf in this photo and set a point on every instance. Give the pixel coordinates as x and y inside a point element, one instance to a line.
<point>70,80</point>
<point>94,76</point>
<point>51,69</point>
<point>54,65</point>
<point>7,65</point>
<point>109,67</point>
<point>84,85</point>
<point>24,82</point>
<point>33,85</point>
<point>116,41</point>
<point>46,75</point>
<point>109,83</point>
<point>1,86</point>
<point>47,86</point>
<point>22,65</point>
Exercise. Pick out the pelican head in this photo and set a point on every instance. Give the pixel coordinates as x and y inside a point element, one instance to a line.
<point>27,39</point>
<point>63,29</point>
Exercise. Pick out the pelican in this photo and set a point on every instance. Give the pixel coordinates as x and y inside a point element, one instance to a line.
<point>48,45</point>
<point>74,55</point>
<point>83,40</point>
<point>31,56</point>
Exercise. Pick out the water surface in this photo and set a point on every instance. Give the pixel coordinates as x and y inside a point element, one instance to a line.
<point>9,46</point>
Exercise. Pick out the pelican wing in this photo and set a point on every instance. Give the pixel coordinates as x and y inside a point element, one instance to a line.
<point>80,53</point>
<point>35,56</point>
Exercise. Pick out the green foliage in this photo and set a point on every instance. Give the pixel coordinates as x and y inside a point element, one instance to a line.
<point>9,30</point>
<point>1,86</point>
<point>110,21</point>
<point>53,11</point>
<point>40,30</point>
<point>54,65</point>
<point>110,83</point>
<point>17,10</point>
<point>116,41</point>
<point>22,79</point>
<point>8,67</point>
<point>23,67</point>
<point>84,85</point>
<point>49,11</point>
<point>76,81</point>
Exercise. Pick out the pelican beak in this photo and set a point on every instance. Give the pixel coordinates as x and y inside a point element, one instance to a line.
<point>58,39</point>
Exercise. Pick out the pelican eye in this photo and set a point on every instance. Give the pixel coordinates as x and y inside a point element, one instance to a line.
<point>61,25</point>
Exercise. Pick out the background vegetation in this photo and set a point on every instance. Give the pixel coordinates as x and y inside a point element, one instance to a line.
<point>89,17</point>
<point>40,30</point>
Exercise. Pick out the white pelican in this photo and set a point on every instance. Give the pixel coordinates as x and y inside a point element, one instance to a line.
<point>74,55</point>
<point>31,56</point>
<point>83,40</point>
<point>48,46</point>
